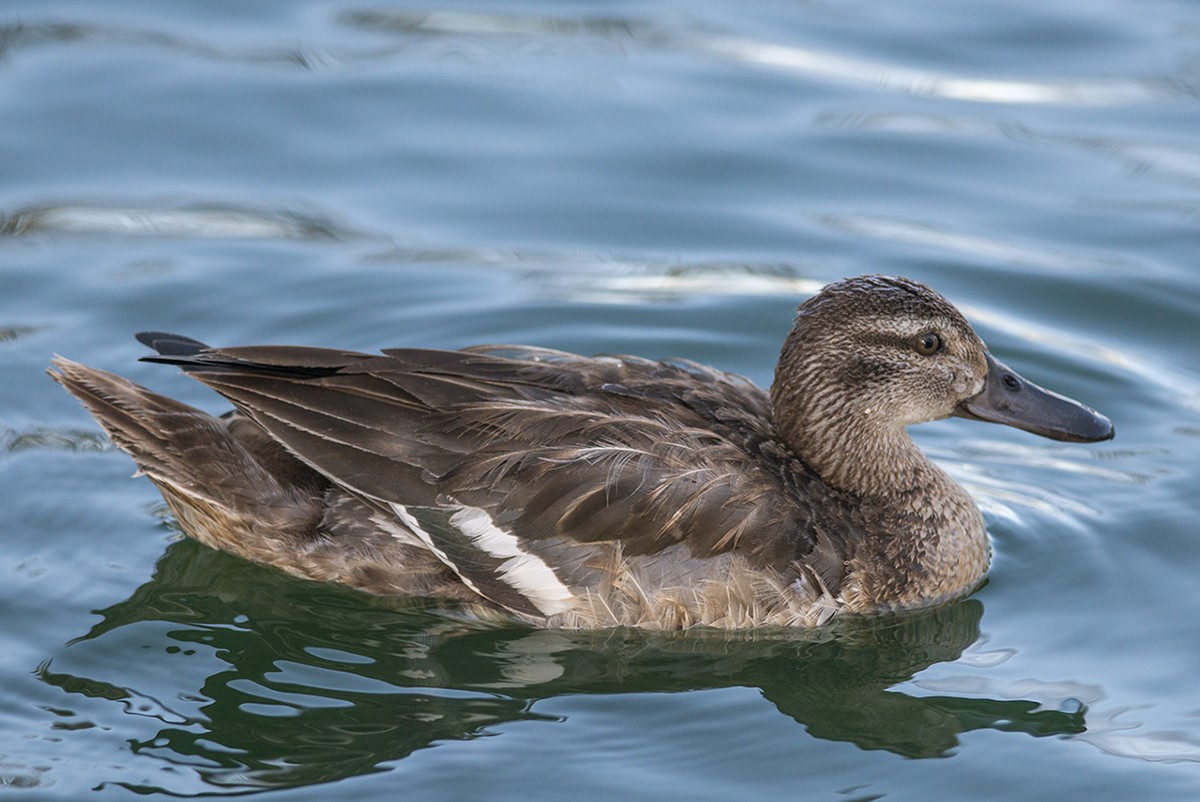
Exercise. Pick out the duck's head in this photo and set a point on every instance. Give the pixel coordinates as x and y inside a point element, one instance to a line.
<point>874,354</point>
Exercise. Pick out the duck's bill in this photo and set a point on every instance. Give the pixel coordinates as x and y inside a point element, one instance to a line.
<point>1010,399</point>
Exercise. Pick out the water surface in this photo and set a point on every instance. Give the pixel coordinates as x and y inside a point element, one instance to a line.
<point>654,178</point>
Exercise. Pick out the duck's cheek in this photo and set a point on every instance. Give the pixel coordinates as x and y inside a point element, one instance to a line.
<point>964,383</point>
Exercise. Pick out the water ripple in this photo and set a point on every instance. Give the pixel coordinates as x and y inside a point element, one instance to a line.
<point>15,38</point>
<point>54,439</point>
<point>793,59</point>
<point>189,220</point>
<point>1003,497</point>
<point>788,58</point>
<point>14,773</point>
<point>623,282</point>
<point>1176,162</point>
<point>911,232</point>
<point>1106,730</point>
<point>887,77</point>
<point>1050,456</point>
<point>16,332</point>
<point>612,279</point>
<point>486,24</point>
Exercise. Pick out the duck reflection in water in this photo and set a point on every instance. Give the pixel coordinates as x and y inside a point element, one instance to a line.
<point>299,683</point>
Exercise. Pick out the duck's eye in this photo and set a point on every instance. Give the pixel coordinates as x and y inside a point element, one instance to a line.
<point>928,344</point>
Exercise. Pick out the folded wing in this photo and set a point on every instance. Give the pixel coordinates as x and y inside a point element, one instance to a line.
<point>512,464</point>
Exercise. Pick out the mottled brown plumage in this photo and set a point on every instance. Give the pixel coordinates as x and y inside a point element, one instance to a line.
<point>595,491</point>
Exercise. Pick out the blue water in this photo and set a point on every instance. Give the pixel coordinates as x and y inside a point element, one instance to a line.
<point>666,179</point>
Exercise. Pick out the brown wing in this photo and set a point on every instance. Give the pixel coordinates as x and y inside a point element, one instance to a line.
<point>487,453</point>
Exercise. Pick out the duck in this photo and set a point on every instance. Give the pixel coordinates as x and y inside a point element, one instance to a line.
<point>568,491</point>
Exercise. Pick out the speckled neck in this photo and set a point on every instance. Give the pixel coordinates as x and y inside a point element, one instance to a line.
<point>858,455</point>
<point>929,544</point>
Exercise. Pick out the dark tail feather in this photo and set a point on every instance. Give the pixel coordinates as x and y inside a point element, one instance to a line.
<point>194,356</point>
<point>169,344</point>
<point>173,349</point>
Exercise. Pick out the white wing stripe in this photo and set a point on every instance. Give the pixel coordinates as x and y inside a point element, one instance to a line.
<point>406,518</point>
<point>527,573</point>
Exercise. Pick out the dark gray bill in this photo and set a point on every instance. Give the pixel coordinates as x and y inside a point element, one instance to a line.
<point>1014,401</point>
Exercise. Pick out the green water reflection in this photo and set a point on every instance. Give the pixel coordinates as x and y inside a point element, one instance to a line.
<point>315,684</point>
